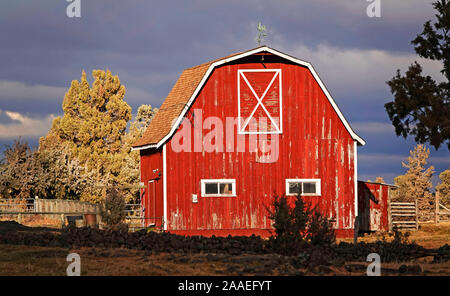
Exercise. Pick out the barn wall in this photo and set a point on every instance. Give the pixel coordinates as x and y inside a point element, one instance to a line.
<point>314,144</point>
<point>373,203</point>
<point>150,160</point>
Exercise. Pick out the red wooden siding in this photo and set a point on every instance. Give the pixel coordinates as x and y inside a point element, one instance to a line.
<point>314,144</point>
<point>152,195</point>
<point>373,200</point>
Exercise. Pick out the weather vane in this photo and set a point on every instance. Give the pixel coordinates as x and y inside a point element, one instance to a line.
<point>261,33</point>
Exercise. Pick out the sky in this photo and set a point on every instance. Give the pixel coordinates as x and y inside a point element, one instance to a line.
<point>149,43</point>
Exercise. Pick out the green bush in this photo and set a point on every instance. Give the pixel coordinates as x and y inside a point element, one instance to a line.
<point>399,237</point>
<point>320,232</point>
<point>112,210</point>
<point>298,226</point>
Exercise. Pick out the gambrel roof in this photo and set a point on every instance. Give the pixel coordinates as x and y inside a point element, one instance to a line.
<point>188,85</point>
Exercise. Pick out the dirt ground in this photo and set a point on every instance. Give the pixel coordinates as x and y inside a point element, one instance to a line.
<point>34,221</point>
<point>42,261</point>
<point>46,261</point>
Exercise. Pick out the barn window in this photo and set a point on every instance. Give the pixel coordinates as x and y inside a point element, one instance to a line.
<point>218,187</point>
<point>303,187</point>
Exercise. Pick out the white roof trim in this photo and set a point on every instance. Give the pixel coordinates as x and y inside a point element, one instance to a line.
<point>240,56</point>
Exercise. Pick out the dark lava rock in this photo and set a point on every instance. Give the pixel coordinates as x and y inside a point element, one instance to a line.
<point>415,269</point>
<point>403,269</point>
<point>410,269</point>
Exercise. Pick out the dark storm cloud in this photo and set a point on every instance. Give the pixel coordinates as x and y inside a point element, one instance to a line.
<point>149,43</point>
<point>166,36</point>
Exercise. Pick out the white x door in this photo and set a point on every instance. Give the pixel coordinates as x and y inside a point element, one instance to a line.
<point>259,101</point>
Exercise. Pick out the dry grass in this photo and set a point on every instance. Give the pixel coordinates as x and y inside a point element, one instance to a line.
<point>429,235</point>
<point>25,260</point>
<point>40,261</point>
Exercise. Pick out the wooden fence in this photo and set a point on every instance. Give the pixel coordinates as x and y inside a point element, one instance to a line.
<point>442,213</point>
<point>403,215</point>
<point>135,217</point>
<point>32,205</point>
<point>64,206</point>
<point>56,209</point>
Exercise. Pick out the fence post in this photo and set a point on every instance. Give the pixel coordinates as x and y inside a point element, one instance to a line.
<point>356,231</point>
<point>417,215</point>
<point>19,218</point>
<point>436,217</point>
<point>389,209</point>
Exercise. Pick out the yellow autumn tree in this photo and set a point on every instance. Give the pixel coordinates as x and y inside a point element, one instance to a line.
<point>401,192</point>
<point>416,183</point>
<point>144,116</point>
<point>130,170</point>
<point>379,180</point>
<point>93,127</point>
<point>444,187</point>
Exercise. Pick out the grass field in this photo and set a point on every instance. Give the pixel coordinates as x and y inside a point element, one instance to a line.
<point>429,235</point>
<point>41,261</point>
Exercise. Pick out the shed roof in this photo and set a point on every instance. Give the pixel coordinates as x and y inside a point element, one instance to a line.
<point>183,93</point>
<point>379,183</point>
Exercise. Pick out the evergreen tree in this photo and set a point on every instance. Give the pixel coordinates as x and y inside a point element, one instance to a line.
<point>444,187</point>
<point>379,180</point>
<point>16,180</point>
<point>47,174</point>
<point>131,168</point>
<point>416,183</point>
<point>297,226</point>
<point>86,152</point>
<point>93,128</point>
<point>401,192</point>
<point>57,175</point>
<point>421,106</point>
<point>144,116</point>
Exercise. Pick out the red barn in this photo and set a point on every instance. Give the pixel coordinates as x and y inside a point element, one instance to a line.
<point>235,131</point>
<point>373,206</point>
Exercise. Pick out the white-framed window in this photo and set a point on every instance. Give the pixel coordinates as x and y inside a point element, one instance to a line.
<point>306,187</point>
<point>218,187</point>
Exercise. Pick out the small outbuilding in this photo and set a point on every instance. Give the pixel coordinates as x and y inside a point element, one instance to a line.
<point>373,206</point>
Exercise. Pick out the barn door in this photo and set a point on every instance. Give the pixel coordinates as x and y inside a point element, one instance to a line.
<point>151,203</point>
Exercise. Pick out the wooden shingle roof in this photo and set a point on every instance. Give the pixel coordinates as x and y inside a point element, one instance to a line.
<point>174,103</point>
<point>190,82</point>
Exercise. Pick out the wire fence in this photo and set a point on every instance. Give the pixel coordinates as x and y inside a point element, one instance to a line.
<point>17,205</point>
<point>60,212</point>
